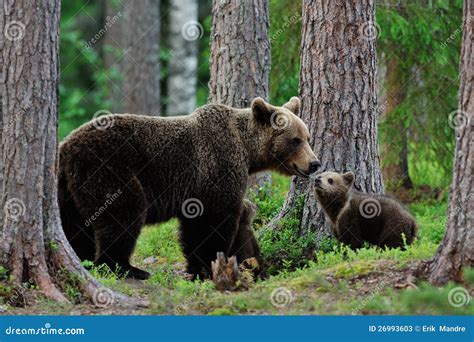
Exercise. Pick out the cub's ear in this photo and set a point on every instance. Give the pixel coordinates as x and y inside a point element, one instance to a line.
<point>261,110</point>
<point>293,105</point>
<point>348,178</point>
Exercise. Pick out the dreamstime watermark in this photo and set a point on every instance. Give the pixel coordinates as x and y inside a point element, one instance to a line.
<point>459,296</point>
<point>290,21</point>
<point>369,30</point>
<point>185,305</point>
<point>279,121</point>
<point>456,33</point>
<point>14,209</point>
<point>458,119</point>
<point>14,30</point>
<point>110,199</point>
<point>109,22</point>
<point>103,297</point>
<point>369,208</point>
<point>192,30</point>
<point>47,329</point>
<point>369,298</point>
<point>17,296</point>
<point>281,297</point>
<point>192,208</point>
<point>103,119</point>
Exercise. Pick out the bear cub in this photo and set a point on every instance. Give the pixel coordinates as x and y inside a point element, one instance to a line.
<point>357,217</point>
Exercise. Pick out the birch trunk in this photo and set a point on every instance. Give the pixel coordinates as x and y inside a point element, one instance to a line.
<point>185,30</point>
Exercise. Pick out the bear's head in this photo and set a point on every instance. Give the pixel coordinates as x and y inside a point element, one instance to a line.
<point>332,184</point>
<point>286,146</point>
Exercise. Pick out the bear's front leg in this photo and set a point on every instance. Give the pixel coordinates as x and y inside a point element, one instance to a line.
<point>203,237</point>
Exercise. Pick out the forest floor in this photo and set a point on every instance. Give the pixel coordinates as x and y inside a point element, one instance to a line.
<point>335,281</point>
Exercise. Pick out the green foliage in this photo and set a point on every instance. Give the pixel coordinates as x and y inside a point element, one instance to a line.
<point>425,299</point>
<point>3,273</point>
<point>285,40</point>
<point>161,242</point>
<point>285,247</point>
<point>269,199</point>
<point>83,79</point>
<point>425,41</point>
<point>203,64</point>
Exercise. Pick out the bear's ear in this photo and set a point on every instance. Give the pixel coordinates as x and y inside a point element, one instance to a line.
<point>261,110</point>
<point>293,105</point>
<point>348,178</point>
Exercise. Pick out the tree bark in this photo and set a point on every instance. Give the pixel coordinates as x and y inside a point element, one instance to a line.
<point>339,103</point>
<point>240,56</point>
<point>33,247</point>
<point>141,65</point>
<point>395,146</point>
<point>457,248</point>
<point>185,30</point>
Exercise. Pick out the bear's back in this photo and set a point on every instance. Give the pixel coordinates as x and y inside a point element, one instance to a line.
<point>375,214</point>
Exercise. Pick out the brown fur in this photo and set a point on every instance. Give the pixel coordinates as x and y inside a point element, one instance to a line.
<point>247,246</point>
<point>358,217</point>
<point>155,164</point>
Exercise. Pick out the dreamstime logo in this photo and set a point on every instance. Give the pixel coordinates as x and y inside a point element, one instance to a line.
<point>279,121</point>
<point>370,207</point>
<point>103,119</point>
<point>458,119</point>
<point>14,30</point>
<point>369,30</point>
<point>281,297</point>
<point>192,30</point>
<point>192,208</point>
<point>14,208</point>
<point>103,298</point>
<point>458,297</point>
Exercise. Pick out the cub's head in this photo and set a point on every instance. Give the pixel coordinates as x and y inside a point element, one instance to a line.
<point>286,138</point>
<point>329,183</point>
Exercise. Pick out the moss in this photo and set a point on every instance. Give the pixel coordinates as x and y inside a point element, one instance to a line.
<point>222,312</point>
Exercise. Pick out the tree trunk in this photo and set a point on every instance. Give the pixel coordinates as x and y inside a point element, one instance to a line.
<point>339,102</point>
<point>33,247</point>
<point>240,56</point>
<point>457,249</point>
<point>185,30</point>
<point>141,65</point>
<point>395,146</point>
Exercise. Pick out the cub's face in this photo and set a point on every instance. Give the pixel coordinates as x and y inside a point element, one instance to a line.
<point>330,182</point>
<point>286,138</point>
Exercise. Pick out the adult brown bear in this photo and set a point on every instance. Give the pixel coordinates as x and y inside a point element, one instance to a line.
<point>120,172</point>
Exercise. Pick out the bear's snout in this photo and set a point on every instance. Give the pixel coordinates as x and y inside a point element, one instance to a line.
<point>314,166</point>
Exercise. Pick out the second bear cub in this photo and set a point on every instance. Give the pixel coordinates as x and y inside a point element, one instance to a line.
<point>359,217</point>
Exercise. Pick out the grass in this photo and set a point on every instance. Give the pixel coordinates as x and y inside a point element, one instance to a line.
<point>335,280</point>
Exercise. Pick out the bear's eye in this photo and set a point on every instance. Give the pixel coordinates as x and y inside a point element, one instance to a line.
<point>330,181</point>
<point>296,141</point>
